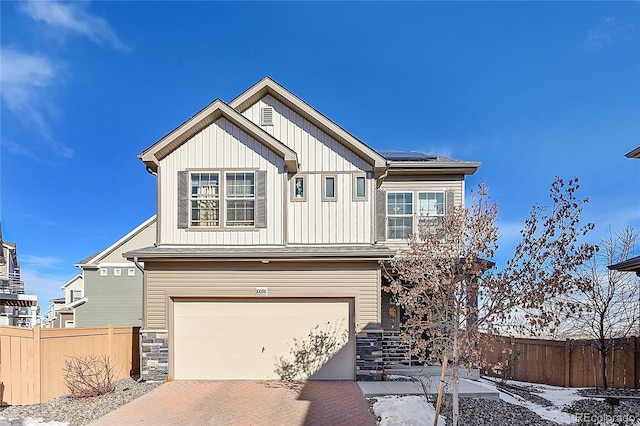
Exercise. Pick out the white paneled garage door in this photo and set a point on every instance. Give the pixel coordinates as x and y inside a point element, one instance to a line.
<point>244,340</point>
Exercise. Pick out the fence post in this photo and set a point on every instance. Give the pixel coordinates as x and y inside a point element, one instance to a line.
<point>567,363</point>
<point>37,365</point>
<point>110,344</point>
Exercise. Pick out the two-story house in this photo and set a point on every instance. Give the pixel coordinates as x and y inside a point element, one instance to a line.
<point>272,222</point>
<point>109,288</point>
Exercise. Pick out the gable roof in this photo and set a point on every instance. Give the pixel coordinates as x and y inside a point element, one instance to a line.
<point>71,281</point>
<point>215,110</point>
<point>96,258</point>
<point>271,87</point>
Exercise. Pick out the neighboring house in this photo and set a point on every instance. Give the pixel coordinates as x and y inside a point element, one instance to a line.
<point>109,289</point>
<point>272,223</point>
<point>16,307</point>
<point>62,312</point>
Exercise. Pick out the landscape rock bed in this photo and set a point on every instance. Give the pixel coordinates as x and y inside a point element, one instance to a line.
<point>76,412</point>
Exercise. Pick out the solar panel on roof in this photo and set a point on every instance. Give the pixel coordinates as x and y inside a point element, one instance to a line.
<point>400,155</point>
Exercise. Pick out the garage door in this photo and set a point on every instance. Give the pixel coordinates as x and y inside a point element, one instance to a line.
<point>248,340</point>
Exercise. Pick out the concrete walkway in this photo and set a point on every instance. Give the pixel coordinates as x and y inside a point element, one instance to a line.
<point>245,403</point>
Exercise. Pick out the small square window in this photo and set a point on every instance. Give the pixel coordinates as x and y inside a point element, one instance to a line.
<point>117,272</point>
<point>329,188</point>
<point>103,272</point>
<point>299,188</point>
<point>131,272</point>
<point>359,187</point>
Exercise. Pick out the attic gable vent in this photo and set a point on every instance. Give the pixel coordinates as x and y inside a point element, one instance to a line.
<point>266,116</point>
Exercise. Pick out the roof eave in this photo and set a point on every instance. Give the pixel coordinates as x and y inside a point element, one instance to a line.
<point>152,156</point>
<point>419,167</point>
<point>635,153</point>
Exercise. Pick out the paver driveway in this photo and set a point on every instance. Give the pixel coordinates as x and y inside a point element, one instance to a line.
<point>245,403</point>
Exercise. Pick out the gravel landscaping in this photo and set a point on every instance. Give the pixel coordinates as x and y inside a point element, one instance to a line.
<point>74,411</point>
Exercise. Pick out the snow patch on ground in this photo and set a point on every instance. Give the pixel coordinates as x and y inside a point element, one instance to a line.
<point>405,411</point>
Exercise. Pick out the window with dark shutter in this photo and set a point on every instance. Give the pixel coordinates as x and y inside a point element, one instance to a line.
<point>183,199</point>
<point>381,216</point>
<point>261,199</point>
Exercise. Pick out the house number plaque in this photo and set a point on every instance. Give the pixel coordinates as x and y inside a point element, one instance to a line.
<point>262,291</point>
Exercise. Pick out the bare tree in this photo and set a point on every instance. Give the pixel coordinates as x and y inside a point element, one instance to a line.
<point>610,304</point>
<point>449,291</point>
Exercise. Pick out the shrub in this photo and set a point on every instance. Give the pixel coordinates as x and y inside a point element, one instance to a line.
<point>87,376</point>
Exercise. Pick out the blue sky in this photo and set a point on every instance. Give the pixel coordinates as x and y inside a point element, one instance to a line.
<point>529,89</point>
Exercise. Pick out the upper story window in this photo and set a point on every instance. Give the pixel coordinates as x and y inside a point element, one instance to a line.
<point>329,187</point>
<point>76,295</point>
<point>218,199</point>
<point>359,187</point>
<point>430,210</point>
<point>299,188</point>
<point>399,214</point>
<point>240,199</point>
<point>205,199</point>
<point>409,212</point>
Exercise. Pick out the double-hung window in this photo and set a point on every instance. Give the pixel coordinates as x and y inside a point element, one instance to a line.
<point>240,198</point>
<point>205,199</point>
<point>399,214</point>
<point>430,211</point>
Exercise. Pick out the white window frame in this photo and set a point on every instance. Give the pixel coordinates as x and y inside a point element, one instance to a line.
<point>431,217</point>
<point>74,293</point>
<point>131,272</point>
<point>227,198</point>
<point>104,272</point>
<point>404,215</point>
<point>212,195</point>
<point>117,272</point>
<point>305,187</point>
<point>356,178</point>
<point>324,188</point>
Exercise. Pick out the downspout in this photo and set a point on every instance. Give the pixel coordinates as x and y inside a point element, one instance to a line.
<point>135,262</point>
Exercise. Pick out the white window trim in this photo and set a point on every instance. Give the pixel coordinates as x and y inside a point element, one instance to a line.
<point>388,216</point>
<point>117,272</point>
<point>324,187</point>
<point>420,215</point>
<point>305,187</point>
<point>104,272</point>
<point>355,187</point>
<point>219,199</point>
<point>131,272</point>
<point>224,198</point>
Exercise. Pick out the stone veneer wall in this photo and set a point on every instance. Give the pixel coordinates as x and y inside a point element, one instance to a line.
<point>369,355</point>
<point>154,355</point>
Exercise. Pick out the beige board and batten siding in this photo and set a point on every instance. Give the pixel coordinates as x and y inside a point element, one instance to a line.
<point>314,221</point>
<point>222,146</point>
<point>359,281</point>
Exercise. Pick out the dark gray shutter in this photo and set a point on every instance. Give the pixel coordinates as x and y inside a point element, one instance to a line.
<point>183,199</point>
<point>261,199</point>
<point>448,201</point>
<point>381,215</point>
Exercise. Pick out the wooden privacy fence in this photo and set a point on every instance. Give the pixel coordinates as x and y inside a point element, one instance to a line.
<point>569,363</point>
<point>32,360</point>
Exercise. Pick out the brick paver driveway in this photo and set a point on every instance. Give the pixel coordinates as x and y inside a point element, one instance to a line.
<point>245,403</point>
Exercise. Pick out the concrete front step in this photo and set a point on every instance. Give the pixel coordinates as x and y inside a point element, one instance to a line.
<point>430,371</point>
<point>468,388</point>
